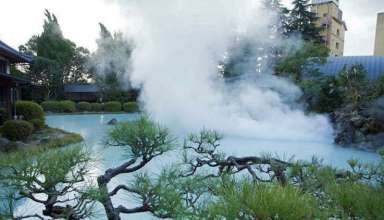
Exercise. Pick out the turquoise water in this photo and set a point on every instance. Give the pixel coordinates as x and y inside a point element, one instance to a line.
<point>93,129</point>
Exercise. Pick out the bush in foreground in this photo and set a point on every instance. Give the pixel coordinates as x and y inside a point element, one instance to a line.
<point>83,106</point>
<point>17,130</point>
<point>112,107</point>
<point>38,124</point>
<point>29,110</point>
<point>131,107</point>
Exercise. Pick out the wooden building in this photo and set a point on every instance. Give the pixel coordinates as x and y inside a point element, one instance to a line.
<point>10,86</point>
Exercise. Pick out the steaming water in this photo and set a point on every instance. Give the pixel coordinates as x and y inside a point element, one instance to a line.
<point>93,127</point>
<point>179,44</point>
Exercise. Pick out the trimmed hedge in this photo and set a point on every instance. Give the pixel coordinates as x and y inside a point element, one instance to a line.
<point>131,107</point>
<point>112,107</point>
<point>29,110</point>
<point>83,106</point>
<point>51,106</point>
<point>38,124</point>
<point>67,106</point>
<point>17,130</point>
<point>59,106</point>
<point>96,107</point>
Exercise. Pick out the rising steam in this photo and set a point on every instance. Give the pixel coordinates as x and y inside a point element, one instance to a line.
<point>179,44</point>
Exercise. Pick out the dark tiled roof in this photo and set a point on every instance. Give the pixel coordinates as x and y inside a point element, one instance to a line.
<point>374,65</point>
<point>14,78</point>
<point>13,55</point>
<point>81,88</point>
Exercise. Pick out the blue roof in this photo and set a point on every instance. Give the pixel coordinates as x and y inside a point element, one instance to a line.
<point>81,88</point>
<point>14,55</point>
<point>374,65</point>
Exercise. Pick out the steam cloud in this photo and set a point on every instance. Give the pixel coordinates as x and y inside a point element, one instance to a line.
<point>179,44</point>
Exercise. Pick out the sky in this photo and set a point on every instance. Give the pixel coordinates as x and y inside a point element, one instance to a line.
<point>20,19</point>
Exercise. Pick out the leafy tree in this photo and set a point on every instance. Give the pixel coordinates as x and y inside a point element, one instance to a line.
<point>297,62</point>
<point>354,86</point>
<point>57,59</point>
<point>112,64</point>
<point>79,69</point>
<point>302,21</point>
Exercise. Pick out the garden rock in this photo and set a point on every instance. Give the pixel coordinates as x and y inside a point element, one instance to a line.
<point>4,143</point>
<point>20,145</point>
<point>376,110</point>
<point>377,141</point>
<point>113,122</point>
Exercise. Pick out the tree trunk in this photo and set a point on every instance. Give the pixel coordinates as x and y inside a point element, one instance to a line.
<point>106,201</point>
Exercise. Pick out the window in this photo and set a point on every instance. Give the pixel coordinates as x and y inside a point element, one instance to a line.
<point>338,32</point>
<point>325,15</point>
<point>337,45</point>
<point>3,66</point>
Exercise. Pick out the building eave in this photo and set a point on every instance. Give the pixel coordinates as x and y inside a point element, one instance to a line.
<point>14,78</point>
<point>13,55</point>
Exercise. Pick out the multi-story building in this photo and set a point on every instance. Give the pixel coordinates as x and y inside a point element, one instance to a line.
<point>333,27</point>
<point>379,42</point>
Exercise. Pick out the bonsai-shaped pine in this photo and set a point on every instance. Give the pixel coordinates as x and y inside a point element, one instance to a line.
<point>47,177</point>
<point>142,141</point>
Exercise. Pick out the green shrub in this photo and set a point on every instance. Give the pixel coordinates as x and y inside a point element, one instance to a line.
<point>83,106</point>
<point>131,107</point>
<point>356,199</point>
<point>51,106</point>
<point>3,115</point>
<point>38,124</point>
<point>262,201</point>
<point>17,130</point>
<point>112,107</point>
<point>96,107</point>
<point>67,106</point>
<point>29,110</point>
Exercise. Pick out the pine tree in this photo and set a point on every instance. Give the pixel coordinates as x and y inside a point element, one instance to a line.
<point>302,21</point>
<point>281,24</point>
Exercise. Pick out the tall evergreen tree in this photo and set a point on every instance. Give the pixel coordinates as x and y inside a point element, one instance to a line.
<point>57,59</point>
<point>280,26</point>
<point>111,63</point>
<point>302,21</point>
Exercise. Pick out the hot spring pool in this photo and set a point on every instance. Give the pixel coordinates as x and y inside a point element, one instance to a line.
<point>93,128</point>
